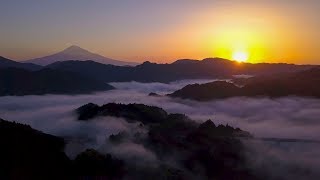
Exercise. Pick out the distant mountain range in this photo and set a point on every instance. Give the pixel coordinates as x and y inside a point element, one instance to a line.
<point>76,77</point>
<point>20,82</point>
<point>210,68</point>
<point>303,84</point>
<point>152,72</point>
<point>7,63</point>
<point>79,54</point>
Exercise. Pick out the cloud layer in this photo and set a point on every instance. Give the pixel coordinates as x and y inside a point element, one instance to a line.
<point>289,117</point>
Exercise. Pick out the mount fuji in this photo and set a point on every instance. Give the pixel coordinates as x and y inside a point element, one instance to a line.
<point>79,54</point>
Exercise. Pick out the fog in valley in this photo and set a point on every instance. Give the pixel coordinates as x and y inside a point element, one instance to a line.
<point>289,117</point>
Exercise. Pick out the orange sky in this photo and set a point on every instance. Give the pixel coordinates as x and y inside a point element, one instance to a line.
<point>267,31</point>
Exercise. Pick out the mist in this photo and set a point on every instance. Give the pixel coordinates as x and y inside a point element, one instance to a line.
<point>285,160</point>
<point>157,87</point>
<point>288,117</point>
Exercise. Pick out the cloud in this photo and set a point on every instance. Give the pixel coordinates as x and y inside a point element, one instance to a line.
<point>134,153</point>
<point>157,87</point>
<point>288,117</point>
<point>286,160</point>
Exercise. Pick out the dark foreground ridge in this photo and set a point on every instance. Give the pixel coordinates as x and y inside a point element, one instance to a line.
<point>215,149</point>
<point>18,82</point>
<point>183,149</point>
<point>153,116</point>
<point>304,84</point>
<point>133,112</point>
<point>28,154</point>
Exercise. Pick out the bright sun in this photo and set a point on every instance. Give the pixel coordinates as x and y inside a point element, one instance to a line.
<point>240,56</point>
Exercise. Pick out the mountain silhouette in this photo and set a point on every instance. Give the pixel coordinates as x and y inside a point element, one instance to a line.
<point>217,150</point>
<point>8,63</point>
<point>303,84</point>
<point>19,82</point>
<point>210,68</point>
<point>79,54</point>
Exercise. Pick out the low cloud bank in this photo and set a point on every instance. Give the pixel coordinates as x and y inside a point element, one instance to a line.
<point>157,87</point>
<point>289,117</point>
<point>285,160</point>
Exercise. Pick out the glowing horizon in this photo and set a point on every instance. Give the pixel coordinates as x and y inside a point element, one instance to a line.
<point>265,31</point>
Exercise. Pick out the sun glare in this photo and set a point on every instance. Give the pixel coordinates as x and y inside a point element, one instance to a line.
<point>240,56</point>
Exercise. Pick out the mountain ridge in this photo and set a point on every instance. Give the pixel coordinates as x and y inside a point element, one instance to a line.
<point>8,63</point>
<point>181,69</point>
<point>301,84</point>
<point>20,82</point>
<point>76,53</point>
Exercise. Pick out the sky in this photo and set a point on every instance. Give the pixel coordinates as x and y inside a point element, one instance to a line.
<point>163,31</point>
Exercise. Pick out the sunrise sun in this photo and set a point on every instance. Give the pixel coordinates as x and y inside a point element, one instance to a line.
<point>240,56</point>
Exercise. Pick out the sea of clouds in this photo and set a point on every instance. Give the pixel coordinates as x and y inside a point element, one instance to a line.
<point>288,117</point>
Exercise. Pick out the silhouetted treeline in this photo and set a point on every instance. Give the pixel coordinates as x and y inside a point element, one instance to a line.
<point>211,68</point>
<point>304,84</point>
<point>20,82</point>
